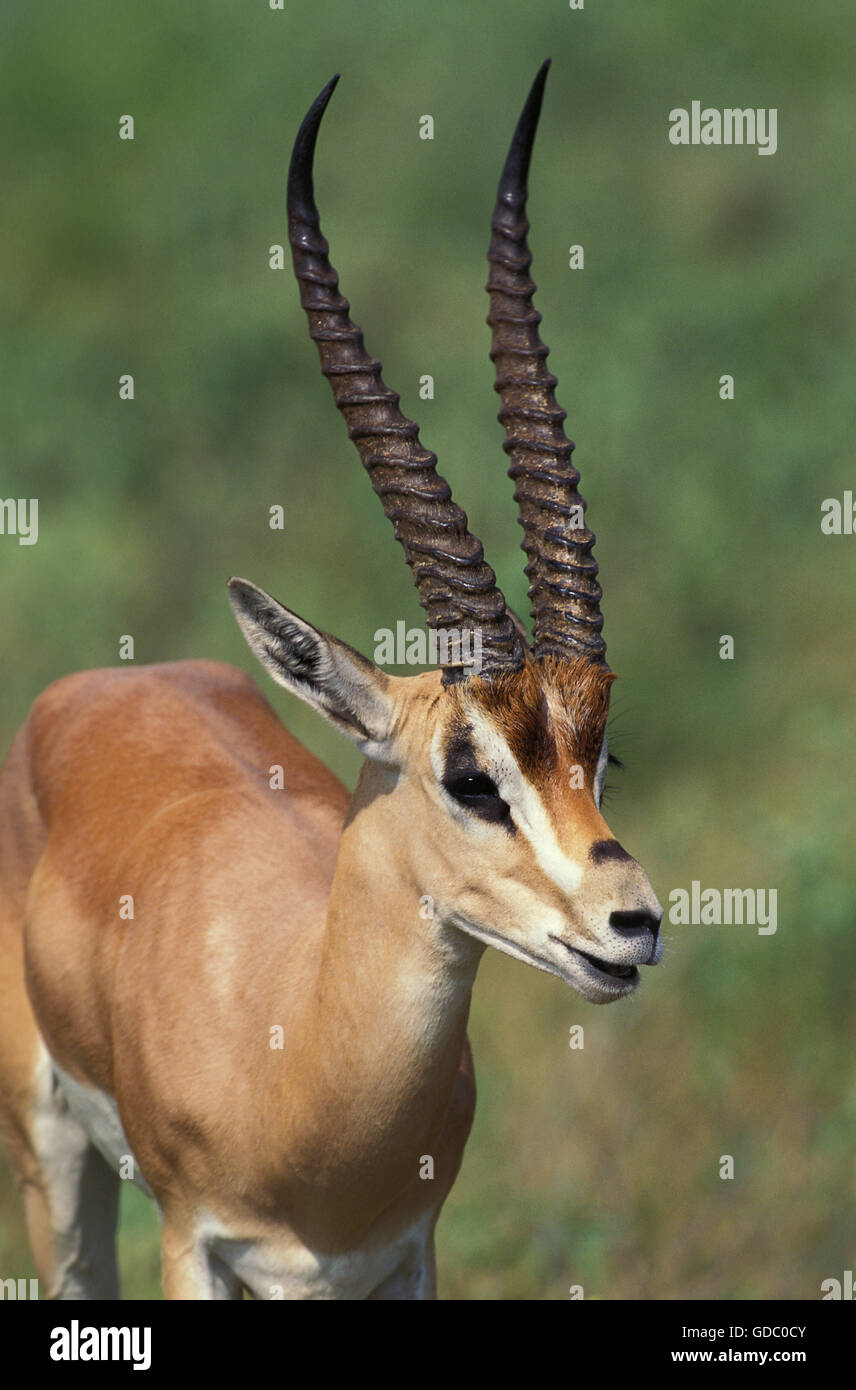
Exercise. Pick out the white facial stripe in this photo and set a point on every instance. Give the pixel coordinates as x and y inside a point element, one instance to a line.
<point>530,816</point>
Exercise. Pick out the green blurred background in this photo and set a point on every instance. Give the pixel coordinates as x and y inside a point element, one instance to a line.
<point>598,1167</point>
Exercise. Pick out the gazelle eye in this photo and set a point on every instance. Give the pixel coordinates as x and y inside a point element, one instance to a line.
<point>480,795</point>
<point>466,787</point>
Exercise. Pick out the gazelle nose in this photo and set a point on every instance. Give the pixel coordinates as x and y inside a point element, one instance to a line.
<point>635,922</point>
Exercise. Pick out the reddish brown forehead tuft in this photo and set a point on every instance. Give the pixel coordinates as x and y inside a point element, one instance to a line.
<point>523,704</point>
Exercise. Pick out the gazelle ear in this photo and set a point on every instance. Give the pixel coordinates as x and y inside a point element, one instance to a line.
<point>343,686</point>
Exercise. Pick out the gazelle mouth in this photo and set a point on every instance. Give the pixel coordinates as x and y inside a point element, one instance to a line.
<point>599,981</point>
<point>618,972</point>
<point>604,967</point>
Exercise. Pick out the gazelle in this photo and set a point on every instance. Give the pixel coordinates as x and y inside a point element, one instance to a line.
<point>168,917</point>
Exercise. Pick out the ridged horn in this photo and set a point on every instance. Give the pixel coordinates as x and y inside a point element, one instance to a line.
<point>456,587</point>
<point>564,592</point>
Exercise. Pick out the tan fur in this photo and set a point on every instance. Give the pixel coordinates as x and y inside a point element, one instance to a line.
<point>256,909</point>
<point>545,706</point>
<point>154,783</point>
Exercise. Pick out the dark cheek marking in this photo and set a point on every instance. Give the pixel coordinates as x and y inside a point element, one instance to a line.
<point>602,850</point>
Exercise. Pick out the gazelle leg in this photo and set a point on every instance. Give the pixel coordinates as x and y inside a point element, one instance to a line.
<point>71,1197</point>
<point>192,1272</point>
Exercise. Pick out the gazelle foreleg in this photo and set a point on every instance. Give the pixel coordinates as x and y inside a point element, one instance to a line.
<point>71,1197</point>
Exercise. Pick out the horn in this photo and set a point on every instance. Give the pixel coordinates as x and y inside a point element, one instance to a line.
<point>456,587</point>
<point>564,592</point>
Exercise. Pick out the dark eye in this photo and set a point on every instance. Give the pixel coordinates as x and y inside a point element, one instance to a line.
<point>478,785</point>
<point>479,794</point>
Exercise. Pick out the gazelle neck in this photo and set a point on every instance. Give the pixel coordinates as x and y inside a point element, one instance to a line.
<point>386,1025</point>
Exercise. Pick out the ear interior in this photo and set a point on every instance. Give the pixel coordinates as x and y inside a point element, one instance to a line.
<point>347,689</point>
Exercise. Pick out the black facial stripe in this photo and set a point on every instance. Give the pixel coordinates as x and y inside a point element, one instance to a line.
<point>460,759</point>
<point>470,786</point>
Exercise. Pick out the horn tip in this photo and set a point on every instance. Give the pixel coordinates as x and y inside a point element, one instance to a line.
<point>515,174</point>
<point>300,191</point>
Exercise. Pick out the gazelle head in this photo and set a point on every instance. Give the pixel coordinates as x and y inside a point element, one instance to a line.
<point>494,777</point>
